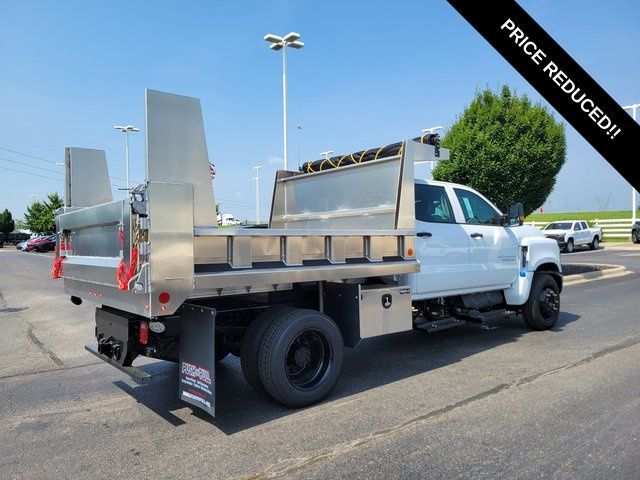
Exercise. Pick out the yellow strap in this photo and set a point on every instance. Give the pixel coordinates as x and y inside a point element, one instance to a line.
<point>362,155</point>
<point>341,158</point>
<point>378,153</point>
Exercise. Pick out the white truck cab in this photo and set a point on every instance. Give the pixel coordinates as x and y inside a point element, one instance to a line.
<point>465,249</point>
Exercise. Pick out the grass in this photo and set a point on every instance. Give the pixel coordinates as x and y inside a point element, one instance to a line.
<point>588,216</point>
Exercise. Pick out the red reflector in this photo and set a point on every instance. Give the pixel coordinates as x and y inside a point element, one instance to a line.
<point>144,332</point>
<point>164,297</point>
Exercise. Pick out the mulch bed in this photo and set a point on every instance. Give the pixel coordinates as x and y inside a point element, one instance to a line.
<point>574,269</point>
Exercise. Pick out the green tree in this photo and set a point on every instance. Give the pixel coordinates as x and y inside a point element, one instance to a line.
<point>7,225</point>
<point>40,216</point>
<point>506,148</point>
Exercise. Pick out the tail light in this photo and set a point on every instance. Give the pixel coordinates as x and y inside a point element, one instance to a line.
<point>144,332</point>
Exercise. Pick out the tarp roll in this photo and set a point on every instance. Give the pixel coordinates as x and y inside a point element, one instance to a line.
<point>366,155</point>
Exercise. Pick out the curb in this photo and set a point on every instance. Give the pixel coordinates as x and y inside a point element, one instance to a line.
<point>617,271</point>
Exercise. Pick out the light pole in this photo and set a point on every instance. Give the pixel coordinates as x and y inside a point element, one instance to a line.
<point>431,130</point>
<point>634,198</point>
<point>257,179</point>
<point>126,129</point>
<point>298,128</point>
<point>281,43</point>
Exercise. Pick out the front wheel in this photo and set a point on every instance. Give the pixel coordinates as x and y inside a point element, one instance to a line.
<point>542,308</point>
<point>569,246</point>
<point>300,357</point>
<point>595,244</point>
<point>635,236</point>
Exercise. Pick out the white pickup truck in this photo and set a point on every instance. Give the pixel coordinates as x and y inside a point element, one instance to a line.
<point>356,250</point>
<point>573,233</point>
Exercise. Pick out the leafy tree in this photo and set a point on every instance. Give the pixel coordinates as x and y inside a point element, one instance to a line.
<point>506,148</point>
<point>40,216</point>
<point>7,225</point>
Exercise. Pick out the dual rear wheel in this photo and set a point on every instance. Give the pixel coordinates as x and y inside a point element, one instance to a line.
<point>292,354</point>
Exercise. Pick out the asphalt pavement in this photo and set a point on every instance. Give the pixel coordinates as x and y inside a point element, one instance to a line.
<point>462,403</point>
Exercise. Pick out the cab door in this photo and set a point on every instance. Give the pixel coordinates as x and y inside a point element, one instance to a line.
<point>493,251</point>
<point>442,245</point>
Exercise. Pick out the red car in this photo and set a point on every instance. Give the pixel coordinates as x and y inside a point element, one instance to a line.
<point>42,244</point>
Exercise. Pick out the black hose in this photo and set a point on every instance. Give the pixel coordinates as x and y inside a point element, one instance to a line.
<point>367,155</point>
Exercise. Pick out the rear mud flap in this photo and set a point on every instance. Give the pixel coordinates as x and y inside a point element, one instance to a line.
<point>196,382</point>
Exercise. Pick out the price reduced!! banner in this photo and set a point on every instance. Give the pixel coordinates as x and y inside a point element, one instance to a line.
<point>560,80</point>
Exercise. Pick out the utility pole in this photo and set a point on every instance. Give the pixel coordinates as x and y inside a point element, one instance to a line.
<point>281,43</point>
<point>126,130</point>
<point>257,179</point>
<point>634,198</point>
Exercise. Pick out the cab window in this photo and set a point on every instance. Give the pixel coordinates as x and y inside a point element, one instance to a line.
<point>584,225</point>
<point>432,204</point>
<point>476,209</point>
<point>577,227</point>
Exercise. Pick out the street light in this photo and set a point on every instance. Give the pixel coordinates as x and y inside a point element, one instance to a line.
<point>431,130</point>
<point>298,128</point>
<point>257,179</point>
<point>634,198</point>
<point>126,129</point>
<point>326,154</point>
<point>281,43</point>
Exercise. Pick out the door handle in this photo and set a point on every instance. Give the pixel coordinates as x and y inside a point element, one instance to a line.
<point>477,235</point>
<point>423,234</point>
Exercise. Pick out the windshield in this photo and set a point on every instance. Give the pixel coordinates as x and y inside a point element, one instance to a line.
<point>559,226</point>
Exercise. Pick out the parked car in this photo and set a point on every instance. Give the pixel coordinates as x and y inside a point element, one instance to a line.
<point>48,244</point>
<point>22,245</point>
<point>635,232</point>
<point>573,233</point>
<point>41,244</point>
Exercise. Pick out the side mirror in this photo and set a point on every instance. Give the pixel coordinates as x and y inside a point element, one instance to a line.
<point>515,215</point>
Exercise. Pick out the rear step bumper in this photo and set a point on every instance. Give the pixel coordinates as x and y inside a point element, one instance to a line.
<point>135,373</point>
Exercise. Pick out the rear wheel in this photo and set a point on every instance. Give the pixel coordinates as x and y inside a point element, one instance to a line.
<point>222,350</point>
<point>569,246</point>
<point>251,344</point>
<point>542,308</point>
<point>635,236</point>
<point>301,357</point>
<point>595,244</point>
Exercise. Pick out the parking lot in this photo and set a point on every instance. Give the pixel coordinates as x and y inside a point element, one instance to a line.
<point>466,403</point>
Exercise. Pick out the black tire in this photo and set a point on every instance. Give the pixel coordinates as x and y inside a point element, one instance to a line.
<point>251,341</point>
<point>542,308</point>
<point>569,247</point>
<point>301,358</point>
<point>221,349</point>
<point>635,236</point>
<point>595,244</point>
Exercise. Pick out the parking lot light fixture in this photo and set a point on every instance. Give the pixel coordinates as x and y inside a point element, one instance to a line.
<point>281,43</point>
<point>126,129</point>
<point>326,154</point>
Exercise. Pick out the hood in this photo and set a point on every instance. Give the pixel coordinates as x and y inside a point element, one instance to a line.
<point>554,232</point>
<point>525,231</point>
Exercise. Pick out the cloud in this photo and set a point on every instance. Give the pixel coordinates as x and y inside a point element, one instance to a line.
<point>275,161</point>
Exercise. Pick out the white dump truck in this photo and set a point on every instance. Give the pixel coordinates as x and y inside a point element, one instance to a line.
<point>354,249</point>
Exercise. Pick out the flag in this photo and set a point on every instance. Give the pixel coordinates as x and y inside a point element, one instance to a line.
<point>212,171</point>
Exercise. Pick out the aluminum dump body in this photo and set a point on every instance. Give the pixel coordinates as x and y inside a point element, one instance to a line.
<point>148,253</point>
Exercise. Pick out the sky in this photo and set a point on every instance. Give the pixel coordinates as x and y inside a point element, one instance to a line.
<point>371,73</point>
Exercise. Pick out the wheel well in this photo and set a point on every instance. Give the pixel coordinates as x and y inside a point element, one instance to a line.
<point>553,270</point>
